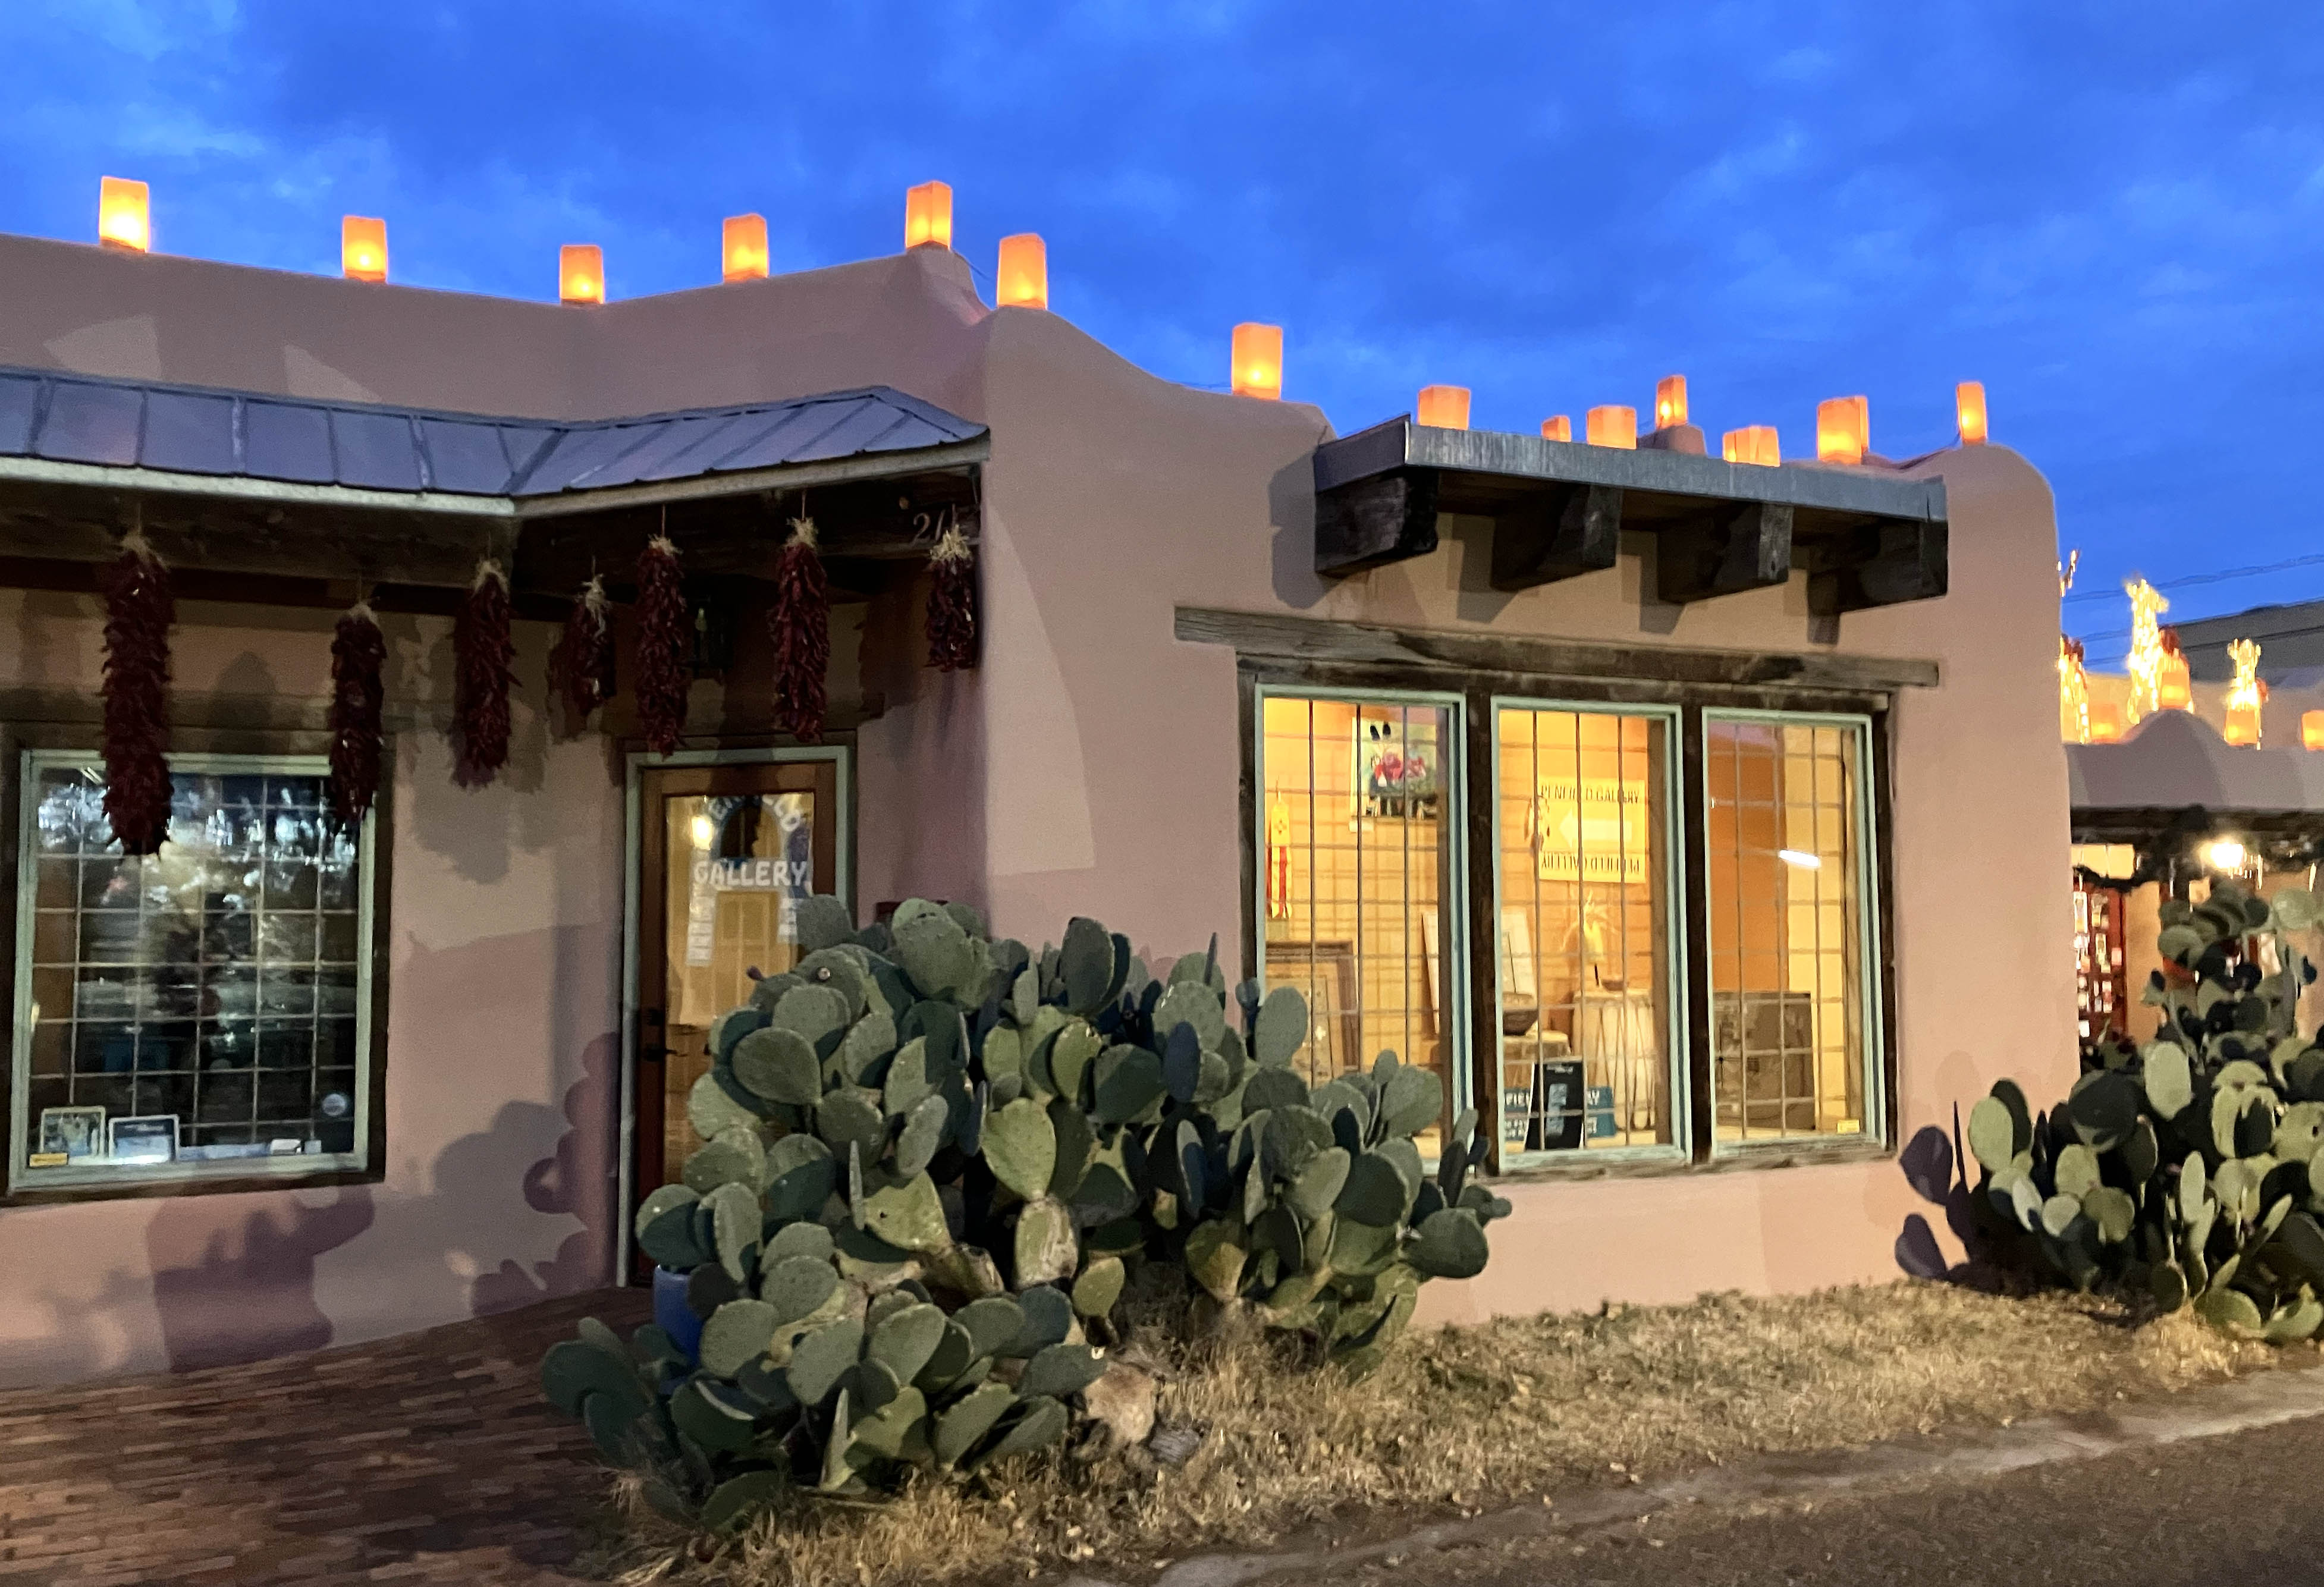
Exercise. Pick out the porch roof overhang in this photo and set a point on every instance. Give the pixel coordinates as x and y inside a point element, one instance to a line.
<point>1865,536</point>
<point>2174,762</point>
<point>281,490</point>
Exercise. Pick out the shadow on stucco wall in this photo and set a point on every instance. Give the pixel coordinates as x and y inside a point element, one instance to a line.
<point>1933,1164</point>
<point>574,1180</point>
<point>234,1276</point>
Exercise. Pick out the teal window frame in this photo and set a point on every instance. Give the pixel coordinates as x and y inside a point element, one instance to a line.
<point>1680,1149</point>
<point>101,1180</point>
<point>1452,949</point>
<point>1869,973</point>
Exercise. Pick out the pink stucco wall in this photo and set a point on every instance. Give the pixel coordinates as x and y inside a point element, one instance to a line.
<point>1089,765</point>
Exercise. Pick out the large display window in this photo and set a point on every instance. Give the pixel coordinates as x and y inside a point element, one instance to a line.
<point>202,1012</point>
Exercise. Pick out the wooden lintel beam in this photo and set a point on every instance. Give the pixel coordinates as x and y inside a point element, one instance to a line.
<point>1743,548</point>
<point>1560,533</point>
<point>1385,517</point>
<point>1881,564</point>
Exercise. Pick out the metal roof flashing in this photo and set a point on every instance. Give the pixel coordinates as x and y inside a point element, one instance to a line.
<point>60,427</point>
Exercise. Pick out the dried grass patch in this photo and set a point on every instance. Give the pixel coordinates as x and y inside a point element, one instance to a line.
<point>1469,1417</point>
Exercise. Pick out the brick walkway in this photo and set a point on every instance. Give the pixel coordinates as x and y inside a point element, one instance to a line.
<point>431,1458</point>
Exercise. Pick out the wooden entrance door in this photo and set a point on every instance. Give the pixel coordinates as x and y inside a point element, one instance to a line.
<point>725,854</point>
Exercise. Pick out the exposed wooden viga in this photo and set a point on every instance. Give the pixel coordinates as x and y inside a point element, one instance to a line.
<point>1865,537</point>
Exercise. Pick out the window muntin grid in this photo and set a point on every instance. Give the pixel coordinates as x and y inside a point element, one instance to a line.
<point>218,991</point>
<point>1790,959</point>
<point>1586,965</point>
<point>1360,816</point>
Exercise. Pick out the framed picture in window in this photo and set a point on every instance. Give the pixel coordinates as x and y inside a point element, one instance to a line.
<point>150,1139</point>
<point>72,1134</point>
<point>1400,771</point>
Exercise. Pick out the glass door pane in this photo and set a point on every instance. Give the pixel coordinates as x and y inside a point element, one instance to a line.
<point>1360,890</point>
<point>725,853</point>
<point>1584,906</point>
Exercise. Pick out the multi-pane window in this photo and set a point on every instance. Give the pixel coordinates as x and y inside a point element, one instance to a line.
<point>1585,963</point>
<point>199,1013</point>
<point>1787,924</point>
<point>1360,821</point>
<point>1596,1025</point>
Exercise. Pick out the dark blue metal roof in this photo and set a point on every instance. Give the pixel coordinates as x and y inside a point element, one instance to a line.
<point>185,429</point>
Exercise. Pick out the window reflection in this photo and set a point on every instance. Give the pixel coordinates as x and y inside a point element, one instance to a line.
<point>200,1004</point>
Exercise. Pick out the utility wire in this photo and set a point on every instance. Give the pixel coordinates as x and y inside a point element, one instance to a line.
<point>2198,578</point>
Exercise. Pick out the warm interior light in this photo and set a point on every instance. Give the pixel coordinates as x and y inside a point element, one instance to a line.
<point>363,248</point>
<point>2311,730</point>
<point>927,216</point>
<point>1753,443</point>
<point>1840,430</point>
<point>2225,853</point>
<point>1611,426</point>
<point>1557,427</point>
<point>1800,859</point>
<point>1022,278</point>
<point>1445,407</point>
<point>743,247</point>
<point>1256,362</point>
<point>124,214</point>
<point>2105,722</point>
<point>581,273</point>
<point>702,830</point>
<point>2245,694</point>
<point>1968,408</point>
<point>1670,401</point>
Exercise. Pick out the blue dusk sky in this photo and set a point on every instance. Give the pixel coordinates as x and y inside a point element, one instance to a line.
<point>2113,215</point>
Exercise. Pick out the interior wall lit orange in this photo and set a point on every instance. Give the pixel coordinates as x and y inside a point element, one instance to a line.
<point>362,247</point>
<point>1670,401</point>
<point>581,273</point>
<point>743,247</point>
<point>1021,280</point>
<point>1255,363</point>
<point>1612,425</point>
<point>1969,410</point>
<point>1445,407</point>
<point>124,214</point>
<point>927,216</point>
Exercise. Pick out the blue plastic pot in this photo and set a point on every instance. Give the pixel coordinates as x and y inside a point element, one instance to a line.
<point>674,1316</point>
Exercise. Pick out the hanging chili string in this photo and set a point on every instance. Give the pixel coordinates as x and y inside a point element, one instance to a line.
<point>583,662</point>
<point>802,630</point>
<point>358,660</point>
<point>952,602</point>
<point>665,645</point>
<point>482,654</point>
<point>139,609</point>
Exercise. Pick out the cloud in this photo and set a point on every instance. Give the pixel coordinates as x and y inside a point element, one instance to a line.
<point>2115,228</point>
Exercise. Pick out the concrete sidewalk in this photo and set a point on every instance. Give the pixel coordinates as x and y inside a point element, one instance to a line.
<point>428,1458</point>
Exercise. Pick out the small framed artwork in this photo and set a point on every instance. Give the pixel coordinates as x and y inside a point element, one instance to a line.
<point>72,1134</point>
<point>1397,773</point>
<point>1326,974</point>
<point>150,1139</point>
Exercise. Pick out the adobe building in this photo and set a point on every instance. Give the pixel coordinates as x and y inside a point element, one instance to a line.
<point>1700,822</point>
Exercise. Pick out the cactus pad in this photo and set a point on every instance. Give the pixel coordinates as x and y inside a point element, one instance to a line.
<point>736,1334</point>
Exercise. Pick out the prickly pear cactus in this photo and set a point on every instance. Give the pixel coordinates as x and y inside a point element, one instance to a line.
<point>2191,1168</point>
<point>932,1161</point>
